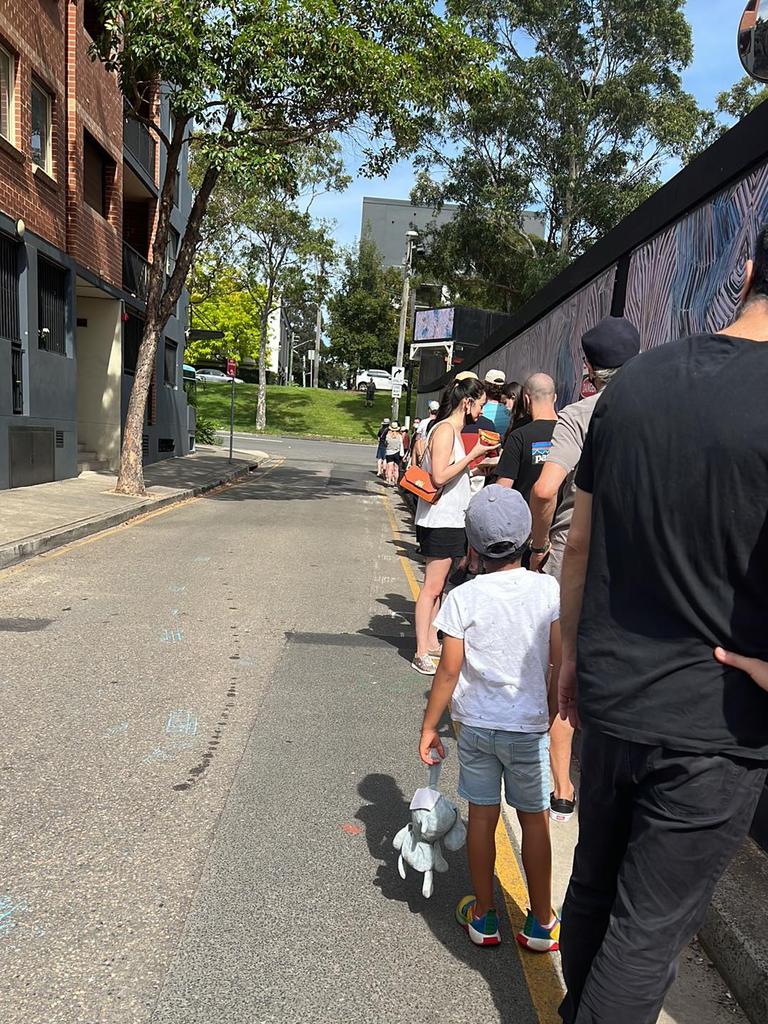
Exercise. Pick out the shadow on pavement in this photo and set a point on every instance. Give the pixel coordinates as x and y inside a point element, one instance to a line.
<point>293,483</point>
<point>383,815</point>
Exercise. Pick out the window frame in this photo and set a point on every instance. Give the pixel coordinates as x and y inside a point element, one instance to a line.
<point>169,343</point>
<point>40,87</point>
<point>107,173</point>
<point>11,113</point>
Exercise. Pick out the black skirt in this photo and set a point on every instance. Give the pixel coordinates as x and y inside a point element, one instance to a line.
<point>442,541</point>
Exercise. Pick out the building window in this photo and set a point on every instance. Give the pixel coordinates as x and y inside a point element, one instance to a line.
<point>7,74</point>
<point>41,127</point>
<point>99,171</point>
<point>171,356</point>
<point>17,380</point>
<point>171,250</point>
<point>132,332</point>
<point>51,307</point>
<point>93,18</point>
<point>9,288</point>
<point>176,188</point>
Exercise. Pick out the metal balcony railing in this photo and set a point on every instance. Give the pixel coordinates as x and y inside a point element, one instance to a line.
<point>138,140</point>
<point>135,273</point>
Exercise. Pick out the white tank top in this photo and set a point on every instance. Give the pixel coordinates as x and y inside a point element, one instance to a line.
<point>448,510</point>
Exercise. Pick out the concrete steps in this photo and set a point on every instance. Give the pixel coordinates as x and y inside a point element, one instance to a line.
<point>89,462</point>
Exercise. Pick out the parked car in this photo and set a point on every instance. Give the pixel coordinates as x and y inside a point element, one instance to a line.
<point>208,376</point>
<point>381,378</point>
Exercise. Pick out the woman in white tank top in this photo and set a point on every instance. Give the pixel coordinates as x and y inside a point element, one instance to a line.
<point>440,526</point>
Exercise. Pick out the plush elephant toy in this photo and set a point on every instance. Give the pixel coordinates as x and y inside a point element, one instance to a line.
<point>434,819</point>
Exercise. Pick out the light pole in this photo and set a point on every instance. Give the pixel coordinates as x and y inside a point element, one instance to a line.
<point>410,242</point>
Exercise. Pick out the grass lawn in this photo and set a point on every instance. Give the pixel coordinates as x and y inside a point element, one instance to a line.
<point>303,411</point>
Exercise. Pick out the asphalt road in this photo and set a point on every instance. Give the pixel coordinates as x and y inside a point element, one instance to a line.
<point>209,727</point>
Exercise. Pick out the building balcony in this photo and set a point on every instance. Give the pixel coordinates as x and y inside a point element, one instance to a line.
<point>139,143</point>
<point>135,273</point>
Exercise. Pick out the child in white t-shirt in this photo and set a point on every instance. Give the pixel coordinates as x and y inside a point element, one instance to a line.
<point>501,633</point>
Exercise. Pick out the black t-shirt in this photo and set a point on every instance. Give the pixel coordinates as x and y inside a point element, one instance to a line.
<point>676,459</point>
<point>525,453</point>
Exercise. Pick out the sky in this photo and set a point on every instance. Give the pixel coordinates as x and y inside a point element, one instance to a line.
<point>715,67</point>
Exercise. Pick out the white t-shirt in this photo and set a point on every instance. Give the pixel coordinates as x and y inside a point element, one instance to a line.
<point>421,430</point>
<point>504,620</point>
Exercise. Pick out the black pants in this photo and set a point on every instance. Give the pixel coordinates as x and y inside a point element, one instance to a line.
<point>657,829</point>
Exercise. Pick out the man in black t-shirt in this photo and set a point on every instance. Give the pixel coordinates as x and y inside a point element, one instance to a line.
<point>527,449</point>
<point>666,559</point>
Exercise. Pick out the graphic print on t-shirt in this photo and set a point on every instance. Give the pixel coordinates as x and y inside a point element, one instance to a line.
<point>539,452</point>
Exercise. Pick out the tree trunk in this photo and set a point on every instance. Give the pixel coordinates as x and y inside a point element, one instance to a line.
<point>161,298</point>
<point>131,477</point>
<point>261,402</point>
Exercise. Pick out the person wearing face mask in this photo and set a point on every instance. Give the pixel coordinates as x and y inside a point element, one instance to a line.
<point>442,535</point>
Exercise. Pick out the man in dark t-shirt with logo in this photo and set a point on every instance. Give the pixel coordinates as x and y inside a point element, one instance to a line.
<point>527,449</point>
<point>666,559</point>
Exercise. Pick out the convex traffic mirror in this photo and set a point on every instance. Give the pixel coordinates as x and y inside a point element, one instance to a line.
<point>753,39</point>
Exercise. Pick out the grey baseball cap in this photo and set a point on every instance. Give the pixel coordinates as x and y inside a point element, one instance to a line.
<point>498,522</point>
<point>434,406</point>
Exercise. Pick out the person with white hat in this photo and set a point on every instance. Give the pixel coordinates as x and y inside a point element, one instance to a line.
<point>420,439</point>
<point>495,408</point>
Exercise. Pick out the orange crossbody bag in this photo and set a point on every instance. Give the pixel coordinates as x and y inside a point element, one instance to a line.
<point>419,482</point>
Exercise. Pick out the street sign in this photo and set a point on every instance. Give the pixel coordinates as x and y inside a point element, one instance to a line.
<point>231,368</point>
<point>398,375</point>
<point>397,390</point>
<point>204,335</point>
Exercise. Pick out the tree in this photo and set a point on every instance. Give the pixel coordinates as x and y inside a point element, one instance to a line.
<point>742,98</point>
<point>248,82</point>
<point>225,302</point>
<point>583,107</point>
<point>364,311</point>
<point>282,239</point>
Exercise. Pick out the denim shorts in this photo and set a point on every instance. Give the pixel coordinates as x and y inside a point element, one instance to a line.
<point>520,758</point>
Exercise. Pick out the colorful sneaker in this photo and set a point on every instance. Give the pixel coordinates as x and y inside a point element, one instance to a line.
<point>483,931</point>
<point>561,810</point>
<point>537,938</point>
<point>424,664</point>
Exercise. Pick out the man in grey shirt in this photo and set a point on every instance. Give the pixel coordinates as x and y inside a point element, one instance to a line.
<point>607,346</point>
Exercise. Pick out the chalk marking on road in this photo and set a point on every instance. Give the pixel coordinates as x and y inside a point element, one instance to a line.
<point>181,723</point>
<point>8,913</point>
<point>171,636</point>
<point>540,974</point>
<point>137,520</point>
<point>117,730</point>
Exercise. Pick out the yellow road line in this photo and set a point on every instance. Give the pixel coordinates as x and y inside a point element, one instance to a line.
<point>404,562</point>
<point>135,521</point>
<point>541,976</point>
<point>543,981</point>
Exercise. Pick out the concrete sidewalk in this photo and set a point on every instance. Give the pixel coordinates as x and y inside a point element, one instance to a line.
<point>45,516</point>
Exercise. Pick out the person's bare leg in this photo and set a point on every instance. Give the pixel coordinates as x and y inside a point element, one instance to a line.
<point>560,744</point>
<point>536,854</point>
<point>435,574</point>
<point>481,854</point>
<point>434,642</point>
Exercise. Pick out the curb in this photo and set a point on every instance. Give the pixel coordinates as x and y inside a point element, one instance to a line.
<point>27,547</point>
<point>733,934</point>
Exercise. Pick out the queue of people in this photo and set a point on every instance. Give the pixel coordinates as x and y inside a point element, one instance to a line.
<point>621,573</point>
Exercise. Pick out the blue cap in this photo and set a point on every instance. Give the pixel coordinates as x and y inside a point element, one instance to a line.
<point>498,522</point>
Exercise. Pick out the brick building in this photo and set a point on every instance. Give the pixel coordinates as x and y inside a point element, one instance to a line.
<point>78,202</point>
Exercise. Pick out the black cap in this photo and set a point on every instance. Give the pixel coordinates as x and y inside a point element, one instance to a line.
<point>611,343</point>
